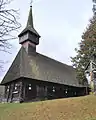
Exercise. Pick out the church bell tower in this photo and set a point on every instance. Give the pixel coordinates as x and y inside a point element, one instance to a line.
<point>29,37</point>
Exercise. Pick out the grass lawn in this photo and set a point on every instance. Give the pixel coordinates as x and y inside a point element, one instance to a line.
<point>81,108</point>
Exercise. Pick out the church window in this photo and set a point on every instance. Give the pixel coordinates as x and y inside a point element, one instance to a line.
<point>66,91</point>
<point>8,87</point>
<point>75,93</point>
<point>29,87</point>
<point>16,86</point>
<point>53,89</point>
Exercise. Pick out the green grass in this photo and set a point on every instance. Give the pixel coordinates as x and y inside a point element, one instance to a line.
<point>81,108</point>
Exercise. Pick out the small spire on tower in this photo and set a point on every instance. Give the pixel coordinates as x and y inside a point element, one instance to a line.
<point>30,18</point>
<point>29,31</point>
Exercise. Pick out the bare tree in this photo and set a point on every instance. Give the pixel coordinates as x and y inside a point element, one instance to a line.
<point>8,24</point>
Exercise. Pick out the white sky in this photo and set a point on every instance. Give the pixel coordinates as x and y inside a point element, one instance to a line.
<point>60,24</point>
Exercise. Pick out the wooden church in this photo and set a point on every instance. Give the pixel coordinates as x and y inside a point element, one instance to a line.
<point>33,76</point>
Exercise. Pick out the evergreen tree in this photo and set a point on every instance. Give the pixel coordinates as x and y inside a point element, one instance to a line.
<point>87,47</point>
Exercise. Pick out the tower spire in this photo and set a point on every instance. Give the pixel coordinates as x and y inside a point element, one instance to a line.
<point>29,31</point>
<point>30,18</point>
<point>29,37</point>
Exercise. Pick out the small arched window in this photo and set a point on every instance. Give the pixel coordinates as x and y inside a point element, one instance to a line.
<point>29,86</point>
<point>8,87</point>
<point>53,89</point>
<point>66,91</point>
<point>16,86</point>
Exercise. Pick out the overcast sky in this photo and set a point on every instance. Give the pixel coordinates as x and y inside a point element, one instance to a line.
<point>60,24</point>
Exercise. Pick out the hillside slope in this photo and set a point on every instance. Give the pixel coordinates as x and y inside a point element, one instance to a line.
<point>81,108</point>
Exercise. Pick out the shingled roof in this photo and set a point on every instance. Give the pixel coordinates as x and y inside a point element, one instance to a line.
<point>40,67</point>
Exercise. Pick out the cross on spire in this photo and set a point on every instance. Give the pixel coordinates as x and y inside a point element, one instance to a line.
<point>31,3</point>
